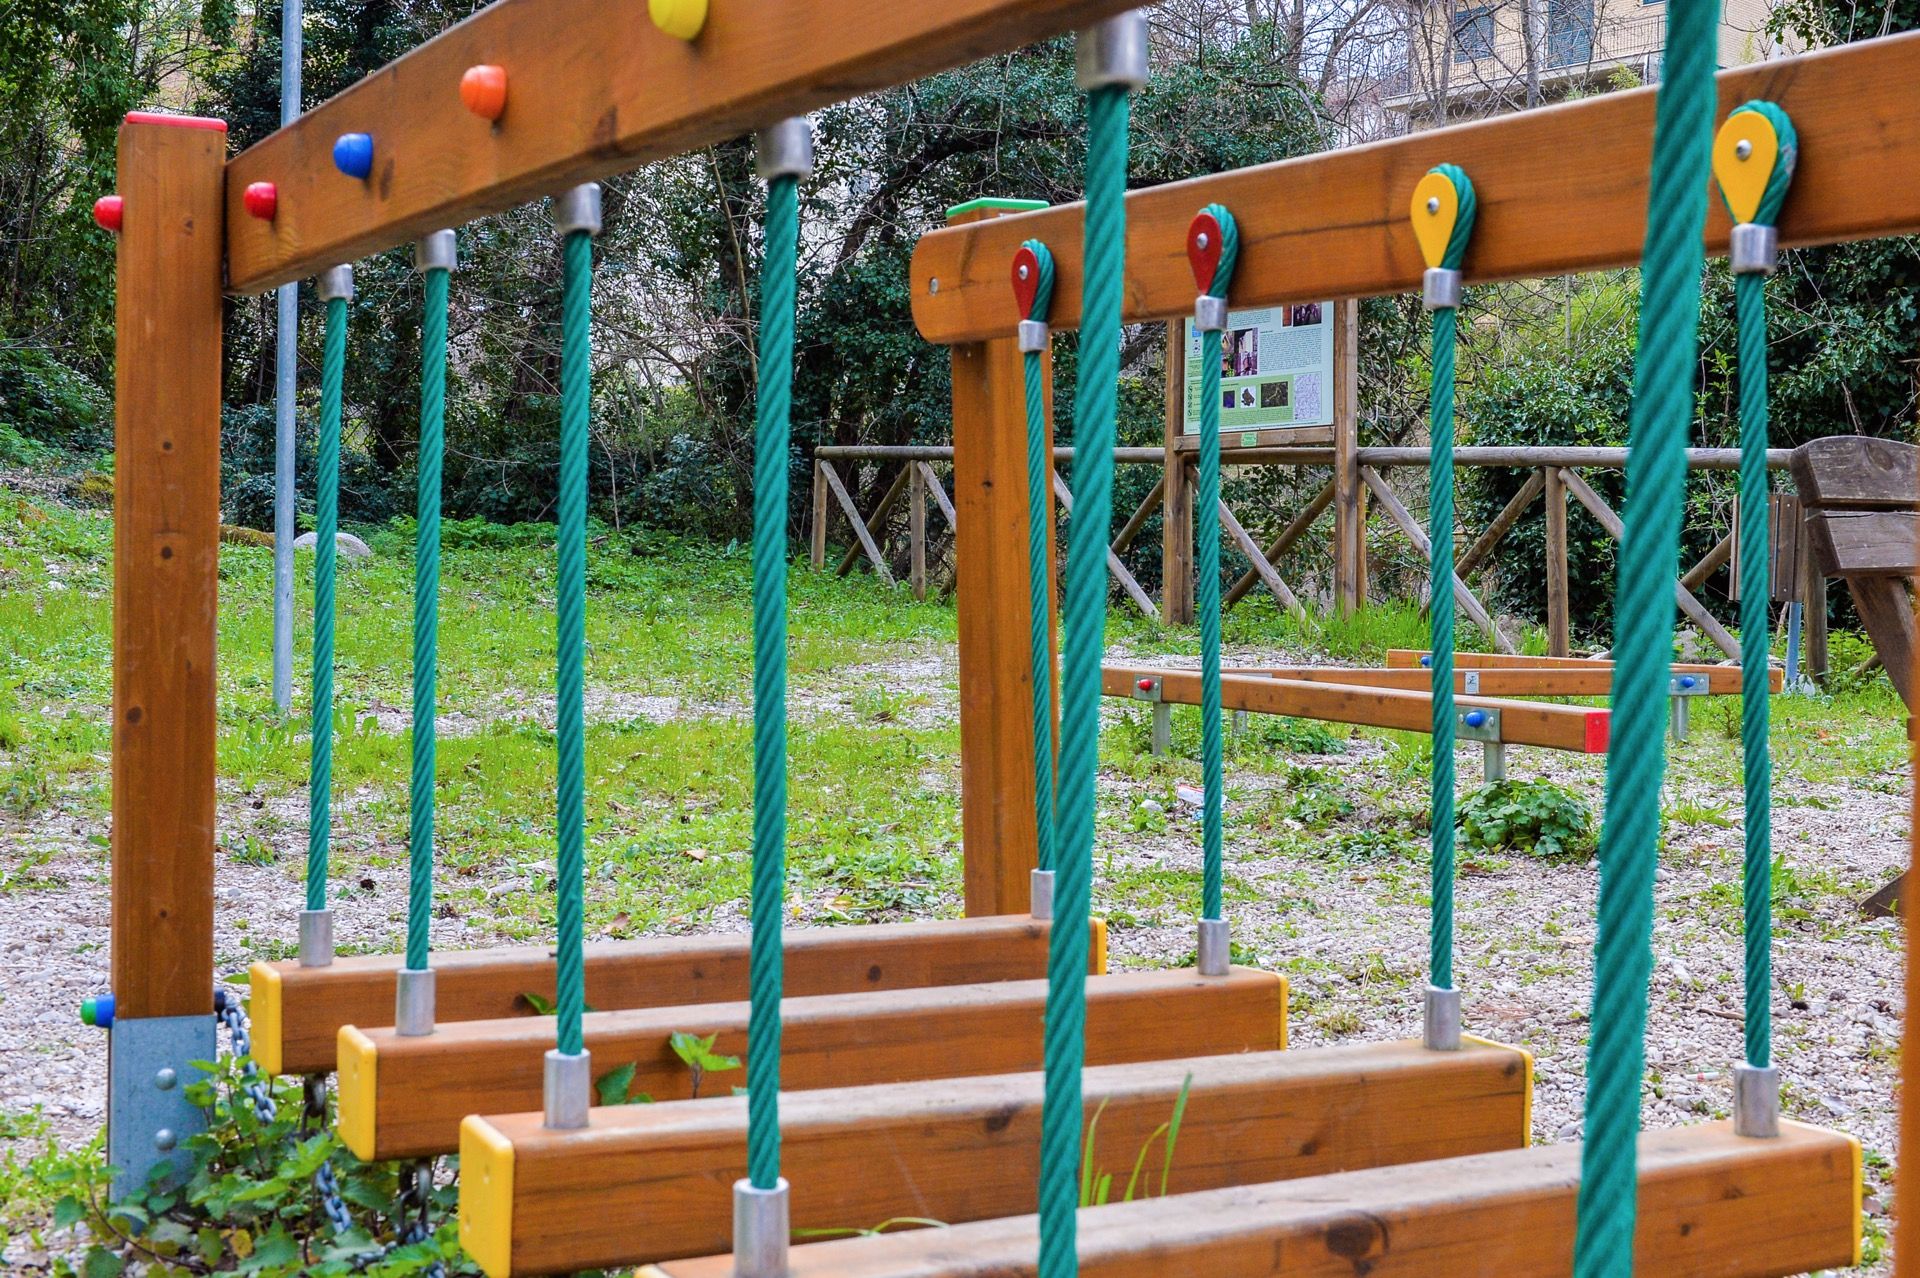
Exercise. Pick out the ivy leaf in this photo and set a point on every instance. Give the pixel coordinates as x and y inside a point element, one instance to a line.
<point>67,1212</point>
<point>101,1263</point>
<point>615,1087</point>
<point>541,1006</point>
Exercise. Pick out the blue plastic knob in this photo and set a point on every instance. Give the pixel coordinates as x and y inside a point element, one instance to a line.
<point>353,154</point>
<point>98,1011</point>
<point>1427,661</point>
<point>1686,681</point>
<point>1475,718</point>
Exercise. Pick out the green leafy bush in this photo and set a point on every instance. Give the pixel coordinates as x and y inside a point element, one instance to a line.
<point>1536,817</point>
<point>44,400</point>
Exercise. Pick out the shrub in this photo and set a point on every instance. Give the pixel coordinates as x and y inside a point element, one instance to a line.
<point>44,400</point>
<point>1536,817</point>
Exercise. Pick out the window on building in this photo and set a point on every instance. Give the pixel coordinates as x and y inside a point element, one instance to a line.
<point>1473,33</point>
<point>1569,32</point>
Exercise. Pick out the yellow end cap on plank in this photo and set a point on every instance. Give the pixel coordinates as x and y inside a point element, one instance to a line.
<point>358,1060</point>
<point>1526,1106</point>
<point>1435,208</point>
<point>681,19</point>
<point>1743,179</point>
<point>1097,946</point>
<point>266,1006</point>
<point>486,1196</point>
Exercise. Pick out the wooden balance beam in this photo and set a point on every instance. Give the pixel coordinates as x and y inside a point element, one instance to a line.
<point>405,1097</point>
<point>650,1182</point>
<point>1528,677</point>
<point>1710,1202</point>
<point>1576,728</point>
<point>298,1011</point>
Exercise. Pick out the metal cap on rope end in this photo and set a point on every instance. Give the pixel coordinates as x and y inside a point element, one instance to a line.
<point>577,209</point>
<point>1035,337</point>
<point>1440,289</point>
<point>567,1089</point>
<point>1210,314</point>
<point>335,284</point>
<point>1040,893</point>
<point>437,251</point>
<point>1756,1100</point>
<point>1441,1019</point>
<point>1754,249</point>
<point>761,1229</point>
<point>785,150</point>
<point>1215,954</point>
<point>413,1003</point>
<point>316,938</point>
<point>1112,54</point>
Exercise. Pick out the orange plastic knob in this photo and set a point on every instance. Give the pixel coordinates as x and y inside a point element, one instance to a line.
<point>484,90</point>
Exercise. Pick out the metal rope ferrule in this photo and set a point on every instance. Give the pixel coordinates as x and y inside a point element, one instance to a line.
<point>567,1089</point>
<point>1035,337</point>
<point>1756,1100</point>
<point>1112,54</point>
<point>335,284</point>
<point>1210,314</point>
<point>1440,1019</point>
<point>1440,289</point>
<point>1040,893</point>
<point>1215,953</point>
<point>316,938</point>
<point>577,209</point>
<point>1754,249</point>
<point>413,1002</point>
<point>436,251</point>
<point>761,1229</point>
<point>785,150</point>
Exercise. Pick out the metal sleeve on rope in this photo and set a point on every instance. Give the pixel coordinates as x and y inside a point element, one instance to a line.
<point>437,252</point>
<point>1643,640</point>
<point>337,288</point>
<point>1095,405</point>
<point>1033,278</point>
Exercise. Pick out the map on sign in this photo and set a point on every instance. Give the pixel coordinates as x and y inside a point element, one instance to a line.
<point>1276,369</point>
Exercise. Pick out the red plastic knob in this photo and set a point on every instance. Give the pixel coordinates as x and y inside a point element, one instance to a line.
<point>262,200</point>
<point>1146,685</point>
<point>108,211</point>
<point>484,90</point>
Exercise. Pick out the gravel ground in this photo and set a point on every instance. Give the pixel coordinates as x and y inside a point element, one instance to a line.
<point>1350,934</point>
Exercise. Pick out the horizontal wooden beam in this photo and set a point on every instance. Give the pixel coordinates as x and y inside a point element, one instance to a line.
<point>298,1011</point>
<point>1717,675</point>
<point>593,89</point>
<point>1709,1202</point>
<point>405,1097</point>
<point>649,1182</point>
<point>1501,681</point>
<point>1559,190</point>
<point>1576,728</point>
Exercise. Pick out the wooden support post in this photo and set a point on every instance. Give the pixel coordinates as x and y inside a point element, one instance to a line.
<point>1559,616</point>
<point>872,531</point>
<point>1295,529</point>
<point>1116,568</point>
<point>166,549</point>
<point>1176,529</point>
<point>990,572</point>
<point>1141,514</point>
<point>1489,541</point>
<point>1269,577</point>
<point>819,548</point>
<point>917,529</point>
<point>1349,493</point>
<point>1415,534</point>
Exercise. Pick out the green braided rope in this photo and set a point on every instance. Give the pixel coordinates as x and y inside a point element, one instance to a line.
<point>426,616</point>
<point>1755,593</point>
<point>1440,605</point>
<point>1207,556</point>
<point>1643,640</point>
<point>326,528</point>
<point>1039,529</point>
<point>570,792</point>
<point>1095,404</point>
<point>772,440</point>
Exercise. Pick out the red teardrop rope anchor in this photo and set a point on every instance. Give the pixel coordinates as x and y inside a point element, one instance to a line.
<point>1203,249</point>
<point>1026,280</point>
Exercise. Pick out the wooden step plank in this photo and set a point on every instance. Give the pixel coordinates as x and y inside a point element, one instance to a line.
<point>1498,681</point>
<point>1580,729</point>
<point>1856,471</point>
<point>1399,658</point>
<point>651,1182</point>
<point>1710,1203</point>
<point>405,1097</point>
<point>1866,543</point>
<point>298,1011</point>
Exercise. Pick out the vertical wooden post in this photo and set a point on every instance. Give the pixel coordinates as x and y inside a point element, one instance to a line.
<point>1559,628</point>
<point>990,553</point>
<point>166,543</point>
<point>1176,510</point>
<point>1349,493</point>
<point>917,529</point>
<point>820,499</point>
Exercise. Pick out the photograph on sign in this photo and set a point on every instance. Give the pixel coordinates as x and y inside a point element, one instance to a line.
<point>1276,369</point>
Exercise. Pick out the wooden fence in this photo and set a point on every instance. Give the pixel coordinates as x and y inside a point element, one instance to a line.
<point>1555,477</point>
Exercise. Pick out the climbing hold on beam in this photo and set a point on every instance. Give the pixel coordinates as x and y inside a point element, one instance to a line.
<point>353,154</point>
<point>681,19</point>
<point>262,200</point>
<point>108,211</point>
<point>97,1011</point>
<point>484,91</point>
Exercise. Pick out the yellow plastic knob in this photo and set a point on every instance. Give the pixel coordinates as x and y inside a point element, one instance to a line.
<point>681,19</point>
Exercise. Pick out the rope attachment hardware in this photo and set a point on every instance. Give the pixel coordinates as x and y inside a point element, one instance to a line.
<point>785,150</point>
<point>335,284</point>
<point>413,1002</point>
<point>1442,211</point>
<point>1033,277</point>
<point>761,1228</point>
<point>1754,155</point>
<point>567,1089</point>
<point>436,251</point>
<point>1112,54</point>
<point>577,209</point>
<point>1440,1019</point>
<point>316,938</point>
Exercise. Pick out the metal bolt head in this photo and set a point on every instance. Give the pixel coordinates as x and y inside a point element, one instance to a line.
<point>1744,149</point>
<point>933,285</point>
<point>166,1079</point>
<point>1433,204</point>
<point>1026,271</point>
<point>1203,240</point>
<point>164,1140</point>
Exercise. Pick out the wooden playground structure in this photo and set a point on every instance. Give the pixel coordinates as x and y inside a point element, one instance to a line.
<point>916,1055</point>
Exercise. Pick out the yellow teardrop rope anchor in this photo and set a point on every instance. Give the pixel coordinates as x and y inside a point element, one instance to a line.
<point>681,19</point>
<point>1435,208</point>
<point>1744,153</point>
